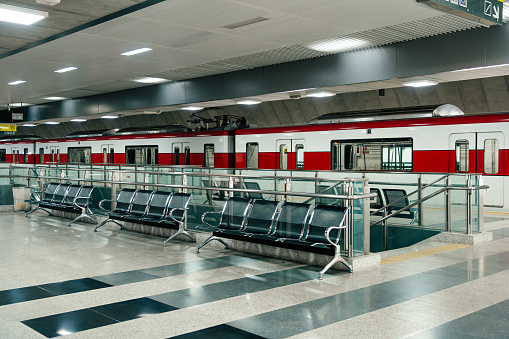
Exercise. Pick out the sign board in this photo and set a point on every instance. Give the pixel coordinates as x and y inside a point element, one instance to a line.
<point>486,12</point>
<point>17,116</point>
<point>7,128</point>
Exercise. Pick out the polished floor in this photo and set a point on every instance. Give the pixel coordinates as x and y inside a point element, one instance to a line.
<point>57,280</point>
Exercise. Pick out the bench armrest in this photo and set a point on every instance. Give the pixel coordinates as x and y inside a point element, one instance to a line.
<point>328,230</point>
<point>77,198</point>
<point>170,215</point>
<point>101,204</point>
<point>203,218</point>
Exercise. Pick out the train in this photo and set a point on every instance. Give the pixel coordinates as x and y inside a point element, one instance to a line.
<point>431,139</point>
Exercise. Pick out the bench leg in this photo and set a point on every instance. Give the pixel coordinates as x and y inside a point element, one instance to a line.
<point>337,258</point>
<point>82,216</point>
<point>209,239</point>
<point>35,209</point>
<point>106,221</point>
<point>181,230</point>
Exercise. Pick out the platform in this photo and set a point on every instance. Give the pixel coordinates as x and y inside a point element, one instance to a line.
<point>58,280</point>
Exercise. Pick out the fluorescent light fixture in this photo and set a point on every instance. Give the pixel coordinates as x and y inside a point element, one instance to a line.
<point>17,82</point>
<point>150,80</point>
<point>29,125</point>
<point>321,94</point>
<point>420,83</point>
<point>249,102</point>
<point>54,98</point>
<point>137,51</point>
<point>67,69</point>
<point>478,68</point>
<point>19,15</point>
<point>336,45</point>
<point>192,108</point>
<point>19,104</point>
<point>109,117</point>
<point>52,123</point>
<point>78,120</point>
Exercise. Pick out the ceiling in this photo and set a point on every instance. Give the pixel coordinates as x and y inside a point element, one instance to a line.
<point>194,38</point>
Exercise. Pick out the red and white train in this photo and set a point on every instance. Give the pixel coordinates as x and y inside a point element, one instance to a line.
<point>398,143</point>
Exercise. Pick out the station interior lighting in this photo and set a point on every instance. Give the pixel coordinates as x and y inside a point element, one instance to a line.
<point>249,102</point>
<point>54,98</point>
<point>78,120</point>
<point>137,51</point>
<point>321,94</point>
<point>336,45</point>
<point>150,80</point>
<point>17,82</point>
<point>20,15</point>
<point>29,125</point>
<point>192,108</point>
<point>52,123</point>
<point>109,117</point>
<point>67,69</point>
<point>420,83</point>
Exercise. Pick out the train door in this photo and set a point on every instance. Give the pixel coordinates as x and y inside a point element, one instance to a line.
<point>15,155</point>
<point>108,154</point>
<point>290,154</point>
<point>479,153</point>
<point>55,154</point>
<point>181,153</point>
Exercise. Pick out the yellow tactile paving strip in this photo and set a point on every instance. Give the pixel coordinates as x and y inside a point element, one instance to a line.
<point>423,253</point>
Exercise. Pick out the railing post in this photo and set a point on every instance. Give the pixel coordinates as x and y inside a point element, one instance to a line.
<point>384,231</point>
<point>229,194</point>
<point>288,188</point>
<point>145,178</point>
<point>469,205</point>
<point>350,231</point>
<point>420,214</point>
<point>184,183</point>
<point>367,227</point>
<point>113,191</point>
<point>448,205</point>
<point>481,210</point>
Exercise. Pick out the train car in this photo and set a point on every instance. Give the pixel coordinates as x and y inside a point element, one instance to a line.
<point>438,144</point>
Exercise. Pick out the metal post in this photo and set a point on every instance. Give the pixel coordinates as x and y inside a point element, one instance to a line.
<point>420,181</point>
<point>384,231</point>
<point>350,230</point>
<point>481,210</point>
<point>288,188</point>
<point>367,226</point>
<point>184,183</point>
<point>113,191</point>
<point>448,205</point>
<point>469,205</point>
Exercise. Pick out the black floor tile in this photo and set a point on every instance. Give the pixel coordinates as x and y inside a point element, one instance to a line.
<point>132,309</point>
<point>123,278</point>
<point>440,333</point>
<point>74,286</point>
<point>23,294</point>
<point>220,332</point>
<point>67,323</point>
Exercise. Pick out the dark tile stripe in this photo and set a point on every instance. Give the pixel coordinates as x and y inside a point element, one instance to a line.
<point>71,322</point>
<point>87,284</point>
<point>307,316</point>
<point>490,322</point>
<point>219,332</point>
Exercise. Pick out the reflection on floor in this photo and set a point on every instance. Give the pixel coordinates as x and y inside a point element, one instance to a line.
<point>118,284</point>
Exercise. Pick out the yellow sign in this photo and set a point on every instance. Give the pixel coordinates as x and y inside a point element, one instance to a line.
<point>7,128</point>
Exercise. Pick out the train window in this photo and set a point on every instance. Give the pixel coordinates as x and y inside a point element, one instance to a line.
<point>82,155</point>
<point>491,156</point>
<point>209,155</point>
<point>105,155</point>
<point>3,155</point>
<point>58,156</point>
<point>25,155</point>
<point>41,155</point>
<point>252,155</point>
<point>335,155</point>
<point>461,153</point>
<point>53,155</point>
<point>176,155</point>
<point>17,156</point>
<point>142,155</point>
<point>187,155</point>
<point>112,156</point>
<point>372,154</point>
<point>299,156</point>
<point>283,156</point>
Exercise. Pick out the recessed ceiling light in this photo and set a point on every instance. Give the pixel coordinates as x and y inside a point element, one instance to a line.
<point>52,123</point>
<point>19,104</point>
<point>420,83</point>
<point>78,120</point>
<point>29,125</point>
<point>192,108</point>
<point>19,15</point>
<point>249,102</point>
<point>150,80</point>
<point>55,98</point>
<point>67,69</point>
<point>137,51</point>
<point>321,94</point>
<point>479,68</point>
<point>17,82</point>
<point>109,117</point>
<point>336,45</point>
